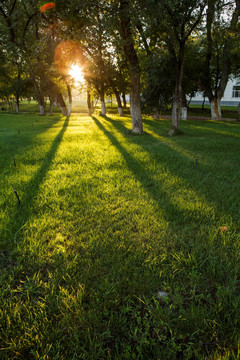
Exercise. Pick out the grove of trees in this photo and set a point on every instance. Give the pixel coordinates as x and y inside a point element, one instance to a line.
<point>158,51</point>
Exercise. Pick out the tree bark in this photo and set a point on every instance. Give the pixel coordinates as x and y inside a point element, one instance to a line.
<point>40,99</point>
<point>69,99</point>
<point>177,97</point>
<point>120,111</point>
<point>117,95</point>
<point>124,100</point>
<point>134,67</point>
<point>135,106</point>
<point>156,114</point>
<point>89,103</point>
<point>89,100</point>
<point>17,104</point>
<point>62,104</point>
<point>102,99</point>
<point>50,105</point>
<point>216,113</point>
<point>56,92</point>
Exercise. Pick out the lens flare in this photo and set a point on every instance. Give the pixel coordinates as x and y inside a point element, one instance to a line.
<point>76,72</point>
<point>47,6</point>
<point>66,54</point>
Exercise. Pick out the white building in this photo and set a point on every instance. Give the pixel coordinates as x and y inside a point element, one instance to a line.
<point>231,94</point>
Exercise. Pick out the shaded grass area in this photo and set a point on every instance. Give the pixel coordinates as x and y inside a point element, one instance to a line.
<point>227,111</point>
<point>107,220</point>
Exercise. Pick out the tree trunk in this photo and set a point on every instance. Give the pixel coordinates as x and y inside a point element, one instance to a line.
<point>156,114</point>
<point>42,110</point>
<point>103,108</point>
<point>215,95</point>
<point>120,109</point>
<point>134,67</point>
<point>62,104</point>
<point>89,104</point>
<point>183,113</point>
<point>17,104</point>
<point>177,98</point>
<point>216,113</point>
<point>117,95</point>
<point>135,106</point>
<point>40,99</point>
<point>56,92</point>
<point>50,106</point>
<point>124,100</point>
<point>69,99</point>
<point>102,99</point>
<point>89,100</point>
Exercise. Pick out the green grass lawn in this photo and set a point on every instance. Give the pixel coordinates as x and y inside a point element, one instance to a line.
<point>80,106</point>
<point>228,112</point>
<point>106,221</point>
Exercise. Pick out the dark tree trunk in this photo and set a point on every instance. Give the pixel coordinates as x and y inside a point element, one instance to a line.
<point>124,100</point>
<point>69,99</point>
<point>131,55</point>
<point>89,100</point>
<point>156,114</point>
<point>89,104</point>
<point>56,92</point>
<point>62,104</point>
<point>177,97</point>
<point>117,95</point>
<point>40,99</point>
<point>50,105</point>
<point>17,103</point>
<point>102,99</point>
<point>120,109</point>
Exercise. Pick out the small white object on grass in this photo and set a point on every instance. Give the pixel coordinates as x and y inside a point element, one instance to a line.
<point>162,295</point>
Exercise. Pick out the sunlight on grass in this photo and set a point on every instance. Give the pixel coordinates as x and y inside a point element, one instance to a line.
<point>107,220</point>
<point>176,189</point>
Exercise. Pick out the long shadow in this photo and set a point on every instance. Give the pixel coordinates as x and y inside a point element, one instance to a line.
<point>13,142</point>
<point>170,211</point>
<point>36,181</point>
<point>212,198</point>
<point>22,212</point>
<point>218,132</point>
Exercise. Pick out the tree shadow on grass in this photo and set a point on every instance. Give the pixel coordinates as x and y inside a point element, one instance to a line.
<point>155,189</point>
<point>99,318</point>
<point>203,174</point>
<point>14,141</point>
<point>11,231</point>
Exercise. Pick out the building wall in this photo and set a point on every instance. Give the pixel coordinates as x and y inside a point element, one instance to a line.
<point>228,99</point>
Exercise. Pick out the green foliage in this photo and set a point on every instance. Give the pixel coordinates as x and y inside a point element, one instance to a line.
<point>158,82</point>
<point>107,220</point>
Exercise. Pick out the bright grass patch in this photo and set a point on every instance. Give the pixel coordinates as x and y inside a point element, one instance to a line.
<point>108,220</point>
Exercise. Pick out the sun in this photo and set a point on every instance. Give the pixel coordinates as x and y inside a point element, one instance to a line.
<point>76,73</point>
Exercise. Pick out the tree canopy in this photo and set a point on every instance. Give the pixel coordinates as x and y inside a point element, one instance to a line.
<point>157,51</point>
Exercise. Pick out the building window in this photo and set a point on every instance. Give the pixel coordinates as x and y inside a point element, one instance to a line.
<point>236,92</point>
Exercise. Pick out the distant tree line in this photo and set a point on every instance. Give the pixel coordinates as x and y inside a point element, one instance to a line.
<point>156,51</point>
